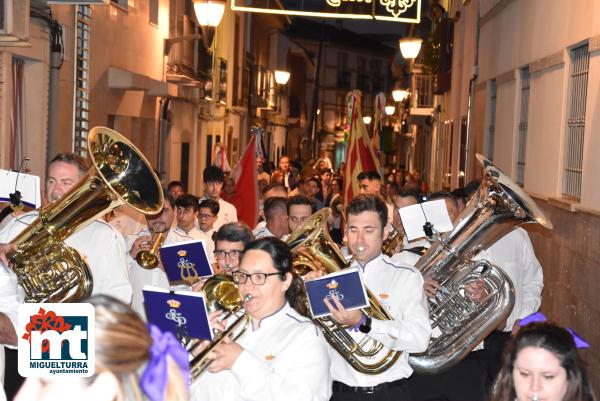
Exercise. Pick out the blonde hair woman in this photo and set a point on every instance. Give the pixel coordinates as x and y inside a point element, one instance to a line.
<point>131,359</point>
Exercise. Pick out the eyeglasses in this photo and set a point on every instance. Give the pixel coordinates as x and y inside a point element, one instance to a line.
<point>206,216</point>
<point>256,278</point>
<point>233,255</point>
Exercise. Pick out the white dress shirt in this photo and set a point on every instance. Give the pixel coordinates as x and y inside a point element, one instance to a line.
<point>140,277</point>
<point>514,254</point>
<point>227,214</point>
<point>399,289</point>
<point>262,232</point>
<point>284,359</point>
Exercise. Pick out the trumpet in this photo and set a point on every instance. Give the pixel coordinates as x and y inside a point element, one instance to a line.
<point>200,362</point>
<point>149,259</point>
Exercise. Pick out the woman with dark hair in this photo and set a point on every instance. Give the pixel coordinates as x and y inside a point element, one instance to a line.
<point>542,363</point>
<point>281,355</point>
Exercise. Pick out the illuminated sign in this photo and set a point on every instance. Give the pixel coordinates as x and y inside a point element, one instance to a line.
<point>385,10</point>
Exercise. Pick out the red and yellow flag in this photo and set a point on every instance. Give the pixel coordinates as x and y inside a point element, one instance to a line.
<point>360,156</point>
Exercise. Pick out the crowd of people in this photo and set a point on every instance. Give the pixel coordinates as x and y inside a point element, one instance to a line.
<point>282,354</point>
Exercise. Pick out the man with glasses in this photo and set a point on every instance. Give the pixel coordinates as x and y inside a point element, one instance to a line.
<point>230,242</point>
<point>283,356</point>
<point>207,216</point>
<point>213,183</point>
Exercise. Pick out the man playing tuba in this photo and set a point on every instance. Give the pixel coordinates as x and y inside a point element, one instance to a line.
<point>399,289</point>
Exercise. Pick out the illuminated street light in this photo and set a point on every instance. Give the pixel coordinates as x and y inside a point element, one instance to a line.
<point>399,94</point>
<point>367,120</point>
<point>282,77</point>
<point>209,12</point>
<point>389,110</point>
<point>410,47</point>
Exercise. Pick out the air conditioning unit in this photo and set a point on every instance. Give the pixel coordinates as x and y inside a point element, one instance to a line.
<point>14,22</point>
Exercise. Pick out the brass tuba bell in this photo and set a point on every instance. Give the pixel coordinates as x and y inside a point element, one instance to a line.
<point>314,250</point>
<point>46,268</point>
<point>498,206</point>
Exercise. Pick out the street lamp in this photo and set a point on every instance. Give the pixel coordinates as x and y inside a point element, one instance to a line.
<point>389,110</point>
<point>410,47</point>
<point>367,120</point>
<point>282,77</point>
<point>399,94</point>
<point>209,12</point>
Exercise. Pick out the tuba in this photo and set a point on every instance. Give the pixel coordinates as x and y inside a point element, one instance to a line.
<point>314,250</point>
<point>498,206</point>
<point>221,293</point>
<point>46,268</point>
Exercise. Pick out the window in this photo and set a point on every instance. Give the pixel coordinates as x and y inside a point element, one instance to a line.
<point>491,129</point>
<point>121,4</point>
<point>343,75</point>
<point>573,158</point>
<point>523,122</point>
<point>82,91</point>
<point>153,12</point>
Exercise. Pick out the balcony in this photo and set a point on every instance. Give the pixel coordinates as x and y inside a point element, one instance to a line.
<point>264,93</point>
<point>421,102</point>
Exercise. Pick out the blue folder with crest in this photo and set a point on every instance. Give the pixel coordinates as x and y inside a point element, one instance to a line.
<point>185,262</point>
<point>183,313</point>
<point>346,285</point>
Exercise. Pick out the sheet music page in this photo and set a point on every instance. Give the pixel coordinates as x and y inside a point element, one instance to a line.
<point>415,216</point>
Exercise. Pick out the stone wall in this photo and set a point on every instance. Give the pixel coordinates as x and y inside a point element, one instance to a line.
<point>570,256</point>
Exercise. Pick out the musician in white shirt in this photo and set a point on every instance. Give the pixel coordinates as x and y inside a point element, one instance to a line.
<point>398,288</point>
<point>142,241</point>
<point>281,355</point>
<point>187,210</point>
<point>100,245</point>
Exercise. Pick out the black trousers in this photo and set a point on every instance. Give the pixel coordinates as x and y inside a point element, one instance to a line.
<point>398,391</point>
<point>463,382</point>
<point>491,356</point>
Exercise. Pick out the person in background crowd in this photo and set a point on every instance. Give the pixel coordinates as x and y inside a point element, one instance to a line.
<point>300,208</point>
<point>261,174</point>
<point>142,241</point>
<point>277,177</point>
<point>130,360</point>
<point>230,242</point>
<point>459,195</point>
<point>325,176</point>
<point>276,217</point>
<point>337,186</point>
<point>213,183</point>
<point>542,363</point>
<point>228,189</point>
<point>399,178</point>
<point>313,189</point>
<point>207,216</point>
<point>289,176</point>
<point>391,190</point>
<point>176,189</point>
<point>369,183</point>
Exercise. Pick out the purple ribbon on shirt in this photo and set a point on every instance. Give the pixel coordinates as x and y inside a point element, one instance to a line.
<point>539,317</point>
<point>154,379</point>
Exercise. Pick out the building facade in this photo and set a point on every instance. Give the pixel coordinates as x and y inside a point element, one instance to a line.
<point>524,93</point>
